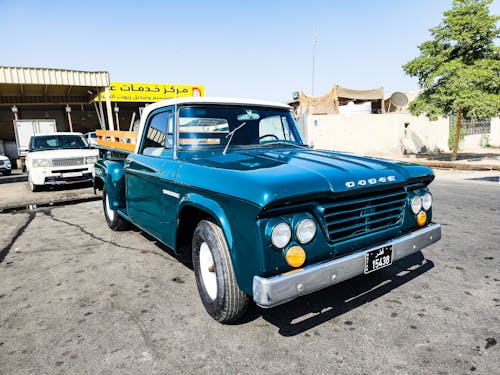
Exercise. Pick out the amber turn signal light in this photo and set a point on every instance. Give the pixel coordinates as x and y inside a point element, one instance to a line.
<point>421,218</point>
<point>295,256</point>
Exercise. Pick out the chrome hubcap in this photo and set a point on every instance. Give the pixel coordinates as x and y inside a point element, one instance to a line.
<point>207,268</point>
<point>109,211</point>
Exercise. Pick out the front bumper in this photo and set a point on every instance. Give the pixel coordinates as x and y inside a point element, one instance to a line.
<point>62,175</point>
<point>75,179</point>
<point>5,166</point>
<point>275,290</point>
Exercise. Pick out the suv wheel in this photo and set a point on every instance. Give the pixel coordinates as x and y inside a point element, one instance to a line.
<point>34,187</point>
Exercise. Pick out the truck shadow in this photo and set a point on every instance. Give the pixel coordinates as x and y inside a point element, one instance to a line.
<point>307,312</point>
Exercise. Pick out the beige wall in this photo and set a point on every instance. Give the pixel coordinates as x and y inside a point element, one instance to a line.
<point>377,134</point>
<point>494,138</point>
<point>387,134</point>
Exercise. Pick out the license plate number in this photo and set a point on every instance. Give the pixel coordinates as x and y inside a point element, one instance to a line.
<point>378,258</point>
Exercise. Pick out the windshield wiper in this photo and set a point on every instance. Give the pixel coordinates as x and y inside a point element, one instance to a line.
<point>285,143</point>
<point>230,135</point>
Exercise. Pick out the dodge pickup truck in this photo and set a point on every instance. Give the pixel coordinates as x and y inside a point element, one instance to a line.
<point>230,184</point>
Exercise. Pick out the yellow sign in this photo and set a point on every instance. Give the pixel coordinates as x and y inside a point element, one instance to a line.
<point>148,92</point>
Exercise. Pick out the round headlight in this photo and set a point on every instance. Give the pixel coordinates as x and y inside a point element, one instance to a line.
<point>427,201</point>
<point>281,235</point>
<point>416,204</point>
<point>306,230</point>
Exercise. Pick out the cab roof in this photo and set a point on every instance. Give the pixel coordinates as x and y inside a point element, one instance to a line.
<point>213,100</point>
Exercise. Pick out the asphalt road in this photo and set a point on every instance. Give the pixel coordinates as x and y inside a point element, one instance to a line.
<point>77,298</point>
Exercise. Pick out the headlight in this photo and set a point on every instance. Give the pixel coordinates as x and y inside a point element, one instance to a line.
<point>416,204</point>
<point>427,201</point>
<point>281,235</point>
<point>90,159</point>
<point>306,230</point>
<point>42,163</point>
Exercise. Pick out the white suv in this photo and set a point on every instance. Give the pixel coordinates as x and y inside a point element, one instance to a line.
<point>59,158</point>
<point>5,167</point>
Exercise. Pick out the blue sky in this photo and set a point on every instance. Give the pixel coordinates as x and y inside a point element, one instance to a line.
<point>254,49</point>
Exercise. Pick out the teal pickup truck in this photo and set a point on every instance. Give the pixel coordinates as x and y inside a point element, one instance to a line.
<point>262,216</point>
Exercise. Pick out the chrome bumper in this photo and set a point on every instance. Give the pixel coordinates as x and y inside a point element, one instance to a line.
<point>275,290</point>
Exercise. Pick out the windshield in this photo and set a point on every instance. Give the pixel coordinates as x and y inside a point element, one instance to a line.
<point>57,141</point>
<point>215,126</point>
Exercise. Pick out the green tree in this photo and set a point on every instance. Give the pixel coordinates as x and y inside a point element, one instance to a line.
<point>459,69</point>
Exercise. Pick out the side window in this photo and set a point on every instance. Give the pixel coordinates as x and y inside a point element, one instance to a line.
<point>155,135</point>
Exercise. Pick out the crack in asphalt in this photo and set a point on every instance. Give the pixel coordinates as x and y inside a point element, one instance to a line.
<point>5,251</point>
<point>146,337</point>
<point>48,213</point>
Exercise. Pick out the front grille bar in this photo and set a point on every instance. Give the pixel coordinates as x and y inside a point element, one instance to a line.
<point>67,162</point>
<point>363,214</point>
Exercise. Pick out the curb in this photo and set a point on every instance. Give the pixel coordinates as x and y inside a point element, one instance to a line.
<point>456,165</point>
<point>9,179</point>
<point>35,206</point>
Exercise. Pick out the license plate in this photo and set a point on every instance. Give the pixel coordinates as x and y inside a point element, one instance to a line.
<point>71,174</point>
<point>378,258</point>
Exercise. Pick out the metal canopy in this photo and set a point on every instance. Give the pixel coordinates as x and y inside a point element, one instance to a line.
<point>42,86</point>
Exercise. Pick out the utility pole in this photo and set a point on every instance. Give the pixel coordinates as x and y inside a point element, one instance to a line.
<point>315,41</point>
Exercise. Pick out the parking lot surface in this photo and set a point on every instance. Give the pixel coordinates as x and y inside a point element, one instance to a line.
<point>76,297</point>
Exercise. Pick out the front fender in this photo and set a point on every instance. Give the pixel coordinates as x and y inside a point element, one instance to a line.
<point>237,221</point>
<point>114,180</point>
<point>212,208</point>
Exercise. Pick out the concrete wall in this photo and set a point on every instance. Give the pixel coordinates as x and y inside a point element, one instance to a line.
<point>393,133</point>
<point>377,134</point>
<point>494,137</point>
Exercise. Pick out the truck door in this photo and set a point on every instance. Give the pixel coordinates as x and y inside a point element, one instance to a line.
<point>149,174</point>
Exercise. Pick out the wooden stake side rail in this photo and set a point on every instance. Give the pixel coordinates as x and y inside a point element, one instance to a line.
<point>122,140</point>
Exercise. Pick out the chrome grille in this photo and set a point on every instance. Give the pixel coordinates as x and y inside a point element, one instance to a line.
<point>356,216</point>
<point>67,162</point>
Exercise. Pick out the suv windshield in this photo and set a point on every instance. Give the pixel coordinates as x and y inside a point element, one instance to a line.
<point>57,141</point>
<point>241,126</point>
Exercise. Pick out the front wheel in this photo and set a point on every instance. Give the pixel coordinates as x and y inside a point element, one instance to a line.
<point>219,291</point>
<point>114,221</point>
<point>34,187</point>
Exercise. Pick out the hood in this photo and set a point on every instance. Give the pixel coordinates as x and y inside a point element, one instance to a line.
<point>263,176</point>
<point>62,153</point>
<point>3,157</point>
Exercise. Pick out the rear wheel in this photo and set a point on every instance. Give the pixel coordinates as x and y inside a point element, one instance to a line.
<point>114,221</point>
<point>219,291</point>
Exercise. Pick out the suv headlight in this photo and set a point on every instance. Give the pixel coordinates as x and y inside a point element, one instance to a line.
<point>41,163</point>
<point>90,159</point>
<point>281,235</point>
<point>306,230</point>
